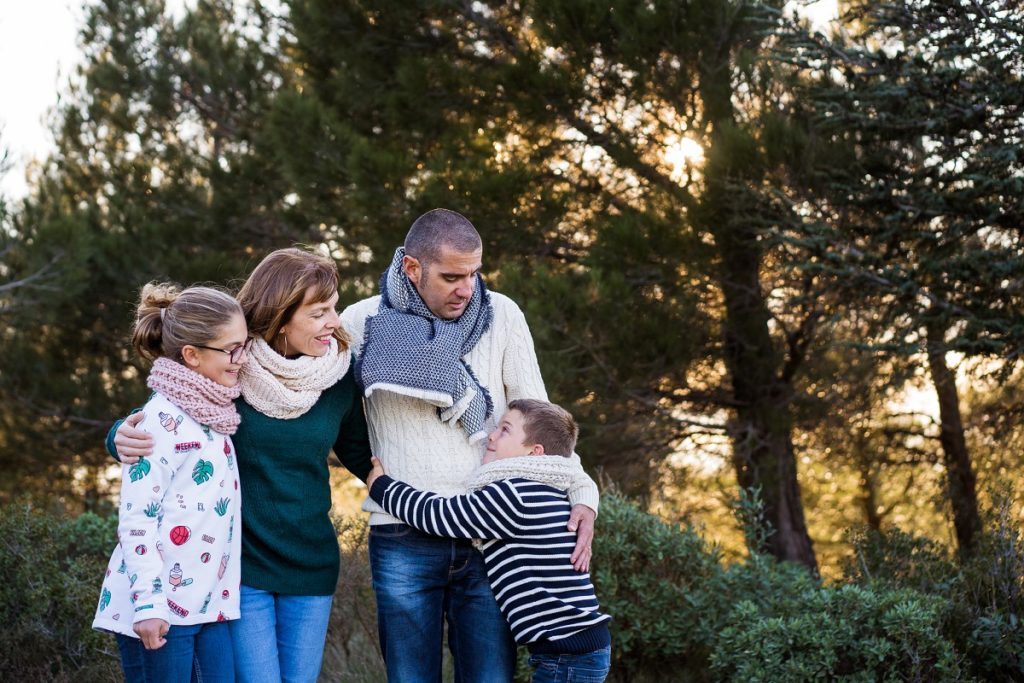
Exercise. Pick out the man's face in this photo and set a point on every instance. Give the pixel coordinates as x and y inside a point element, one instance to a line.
<point>508,440</point>
<point>447,284</point>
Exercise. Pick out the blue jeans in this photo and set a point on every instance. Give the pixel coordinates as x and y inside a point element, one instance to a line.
<point>420,579</point>
<point>591,667</point>
<point>197,654</point>
<point>280,638</point>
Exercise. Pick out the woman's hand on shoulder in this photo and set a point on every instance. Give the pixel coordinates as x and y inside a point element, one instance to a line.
<point>131,442</point>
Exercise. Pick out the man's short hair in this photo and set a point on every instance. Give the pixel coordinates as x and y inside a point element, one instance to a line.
<point>440,228</point>
<point>548,424</point>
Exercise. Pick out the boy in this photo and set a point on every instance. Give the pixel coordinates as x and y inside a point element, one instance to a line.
<point>518,507</point>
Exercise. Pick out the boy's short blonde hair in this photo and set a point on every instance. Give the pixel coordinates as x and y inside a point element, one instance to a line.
<point>548,424</point>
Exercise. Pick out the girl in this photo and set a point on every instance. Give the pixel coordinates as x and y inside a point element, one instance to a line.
<point>172,582</point>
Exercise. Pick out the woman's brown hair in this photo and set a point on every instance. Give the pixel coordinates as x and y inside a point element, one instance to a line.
<point>277,286</point>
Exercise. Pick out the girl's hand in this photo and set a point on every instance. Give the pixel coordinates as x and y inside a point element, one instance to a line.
<point>152,632</point>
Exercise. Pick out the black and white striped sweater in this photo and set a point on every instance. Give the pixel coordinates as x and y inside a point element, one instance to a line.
<point>526,546</point>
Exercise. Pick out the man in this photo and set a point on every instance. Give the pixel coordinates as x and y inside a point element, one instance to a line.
<point>441,359</point>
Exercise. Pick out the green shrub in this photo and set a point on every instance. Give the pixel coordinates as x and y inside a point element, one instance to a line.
<point>680,614</point>
<point>852,633</point>
<point>50,574</point>
<point>652,577</point>
<point>983,594</point>
<point>905,611</point>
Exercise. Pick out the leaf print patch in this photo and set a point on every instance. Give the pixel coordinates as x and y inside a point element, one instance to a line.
<point>202,472</point>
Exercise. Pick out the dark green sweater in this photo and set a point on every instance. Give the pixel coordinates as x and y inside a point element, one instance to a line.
<point>288,542</point>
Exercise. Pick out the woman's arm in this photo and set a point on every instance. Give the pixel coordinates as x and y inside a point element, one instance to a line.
<point>353,444</point>
<point>126,443</point>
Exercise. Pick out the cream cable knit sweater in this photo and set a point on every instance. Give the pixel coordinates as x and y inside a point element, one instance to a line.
<point>416,447</point>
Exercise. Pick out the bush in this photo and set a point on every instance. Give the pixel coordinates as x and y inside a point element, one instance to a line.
<point>983,594</point>
<point>50,574</point>
<point>653,579</point>
<point>852,633</point>
<point>905,611</point>
<point>351,652</point>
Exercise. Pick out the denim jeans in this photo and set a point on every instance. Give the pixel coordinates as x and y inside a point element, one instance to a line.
<point>591,667</point>
<point>418,579</point>
<point>200,653</point>
<point>280,638</point>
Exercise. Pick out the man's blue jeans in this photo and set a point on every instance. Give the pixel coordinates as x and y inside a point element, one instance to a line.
<point>280,638</point>
<point>198,653</point>
<point>420,579</point>
<point>591,667</point>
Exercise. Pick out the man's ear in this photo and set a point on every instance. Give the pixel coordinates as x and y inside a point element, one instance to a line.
<point>190,355</point>
<point>412,268</point>
<point>538,449</point>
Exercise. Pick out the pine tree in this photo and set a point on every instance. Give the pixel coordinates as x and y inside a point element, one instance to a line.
<point>547,124</point>
<point>924,114</point>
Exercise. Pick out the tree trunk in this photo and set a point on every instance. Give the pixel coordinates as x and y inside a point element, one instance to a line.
<point>960,480</point>
<point>868,476</point>
<point>762,425</point>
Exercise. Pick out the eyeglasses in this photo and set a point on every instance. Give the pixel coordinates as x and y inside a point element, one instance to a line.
<point>235,353</point>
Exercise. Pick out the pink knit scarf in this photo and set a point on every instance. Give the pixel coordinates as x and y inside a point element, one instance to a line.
<point>202,399</point>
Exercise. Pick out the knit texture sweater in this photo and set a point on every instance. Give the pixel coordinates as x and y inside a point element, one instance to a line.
<point>549,606</point>
<point>288,542</point>
<point>412,442</point>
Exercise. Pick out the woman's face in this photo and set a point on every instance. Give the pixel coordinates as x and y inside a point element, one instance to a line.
<point>308,332</point>
<point>214,362</point>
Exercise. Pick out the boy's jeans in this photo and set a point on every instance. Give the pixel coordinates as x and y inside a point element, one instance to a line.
<point>417,578</point>
<point>591,667</point>
<point>201,652</point>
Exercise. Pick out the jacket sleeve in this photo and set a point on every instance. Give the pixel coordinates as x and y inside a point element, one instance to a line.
<point>353,444</point>
<point>494,511</point>
<point>143,487</point>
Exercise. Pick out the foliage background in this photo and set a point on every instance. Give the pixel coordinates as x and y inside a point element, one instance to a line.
<point>759,262</point>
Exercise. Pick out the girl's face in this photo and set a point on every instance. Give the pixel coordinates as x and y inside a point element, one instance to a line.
<point>308,332</point>
<point>214,361</point>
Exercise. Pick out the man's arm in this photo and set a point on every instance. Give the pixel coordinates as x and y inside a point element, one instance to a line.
<point>522,379</point>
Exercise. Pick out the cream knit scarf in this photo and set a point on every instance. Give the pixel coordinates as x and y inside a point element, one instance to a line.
<point>553,470</point>
<point>202,399</point>
<point>286,388</point>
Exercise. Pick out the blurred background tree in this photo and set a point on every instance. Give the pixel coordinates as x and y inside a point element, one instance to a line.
<point>748,251</point>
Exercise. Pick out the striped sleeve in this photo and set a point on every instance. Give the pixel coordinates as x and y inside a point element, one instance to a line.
<point>493,512</point>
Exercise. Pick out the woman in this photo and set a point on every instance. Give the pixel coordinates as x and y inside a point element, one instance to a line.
<point>299,400</point>
<point>171,584</point>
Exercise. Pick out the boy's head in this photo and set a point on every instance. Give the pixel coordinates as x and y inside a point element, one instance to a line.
<point>532,427</point>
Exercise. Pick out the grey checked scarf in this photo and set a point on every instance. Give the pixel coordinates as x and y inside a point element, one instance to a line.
<point>410,351</point>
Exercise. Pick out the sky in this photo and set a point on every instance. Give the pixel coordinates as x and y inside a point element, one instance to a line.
<point>38,54</point>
